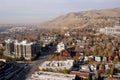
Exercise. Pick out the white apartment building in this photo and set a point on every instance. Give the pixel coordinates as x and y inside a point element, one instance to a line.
<point>61,46</point>
<point>57,65</point>
<point>110,30</point>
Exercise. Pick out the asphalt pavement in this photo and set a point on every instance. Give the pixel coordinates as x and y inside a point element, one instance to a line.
<point>33,66</point>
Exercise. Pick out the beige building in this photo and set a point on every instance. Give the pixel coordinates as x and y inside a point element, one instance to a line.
<point>9,48</point>
<point>23,49</point>
<point>26,50</point>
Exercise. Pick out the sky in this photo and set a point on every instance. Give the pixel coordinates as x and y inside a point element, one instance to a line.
<point>37,11</point>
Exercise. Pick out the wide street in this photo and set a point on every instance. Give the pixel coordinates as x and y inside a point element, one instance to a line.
<point>33,66</point>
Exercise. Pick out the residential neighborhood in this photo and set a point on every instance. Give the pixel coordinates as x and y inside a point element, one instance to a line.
<point>60,40</point>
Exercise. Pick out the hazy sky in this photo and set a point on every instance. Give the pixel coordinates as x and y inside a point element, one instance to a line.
<point>36,11</point>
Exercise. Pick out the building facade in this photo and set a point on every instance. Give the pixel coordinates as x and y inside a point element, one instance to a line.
<point>57,65</point>
<point>9,47</point>
<point>23,49</point>
<point>111,30</point>
<point>61,46</point>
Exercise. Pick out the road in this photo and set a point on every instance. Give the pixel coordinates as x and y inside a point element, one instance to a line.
<point>33,66</point>
<point>30,67</point>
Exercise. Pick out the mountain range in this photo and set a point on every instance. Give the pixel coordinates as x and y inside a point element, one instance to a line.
<point>92,18</point>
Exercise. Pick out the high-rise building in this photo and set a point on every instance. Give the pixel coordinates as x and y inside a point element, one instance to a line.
<point>9,48</point>
<point>23,49</point>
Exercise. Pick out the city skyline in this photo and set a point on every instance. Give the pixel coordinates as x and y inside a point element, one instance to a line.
<point>37,11</point>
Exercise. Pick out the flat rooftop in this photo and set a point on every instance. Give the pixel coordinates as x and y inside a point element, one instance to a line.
<point>57,64</point>
<point>40,75</point>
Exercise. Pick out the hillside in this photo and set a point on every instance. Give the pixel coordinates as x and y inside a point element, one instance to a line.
<point>93,18</point>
